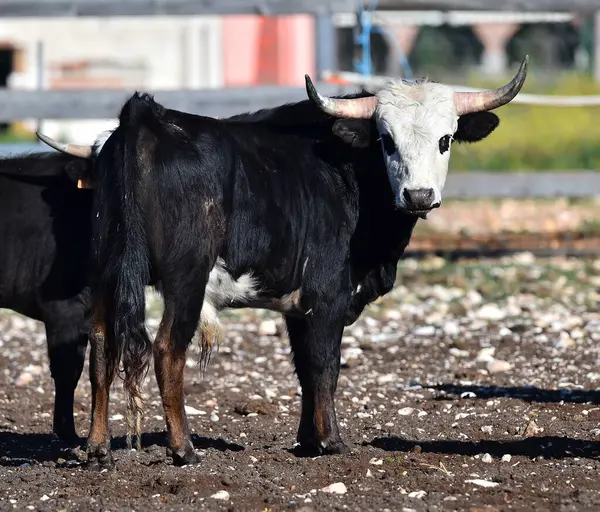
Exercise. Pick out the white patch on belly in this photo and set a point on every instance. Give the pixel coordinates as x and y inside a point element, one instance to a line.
<point>223,291</point>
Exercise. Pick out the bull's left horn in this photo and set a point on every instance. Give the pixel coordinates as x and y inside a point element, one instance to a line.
<point>70,149</point>
<point>468,102</point>
<point>359,108</point>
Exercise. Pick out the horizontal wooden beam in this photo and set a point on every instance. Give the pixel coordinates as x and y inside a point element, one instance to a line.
<point>584,6</point>
<point>106,104</point>
<point>54,8</point>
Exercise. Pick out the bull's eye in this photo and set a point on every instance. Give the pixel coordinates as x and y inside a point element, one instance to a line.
<point>445,143</point>
<point>388,144</point>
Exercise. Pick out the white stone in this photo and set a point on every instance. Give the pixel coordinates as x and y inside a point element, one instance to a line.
<point>191,411</point>
<point>221,495</point>
<point>406,411</point>
<point>498,366</point>
<point>425,330</point>
<point>482,483</point>
<point>336,488</point>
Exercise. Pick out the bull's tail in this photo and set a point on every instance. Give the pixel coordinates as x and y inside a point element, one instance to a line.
<point>122,252</point>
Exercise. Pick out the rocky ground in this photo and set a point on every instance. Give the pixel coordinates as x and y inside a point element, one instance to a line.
<point>470,387</point>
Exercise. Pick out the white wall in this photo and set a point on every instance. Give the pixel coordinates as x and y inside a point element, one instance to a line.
<point>174,52</point>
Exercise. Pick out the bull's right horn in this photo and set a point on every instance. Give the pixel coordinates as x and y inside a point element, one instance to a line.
<point>359,108</point>
<point>70,149</point>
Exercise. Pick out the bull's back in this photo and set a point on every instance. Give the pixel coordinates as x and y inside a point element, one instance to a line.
<point>44,240</point>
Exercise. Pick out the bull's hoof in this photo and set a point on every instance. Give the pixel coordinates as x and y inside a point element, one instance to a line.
<point>312,448</point>
<point>99,457</point>
<point>183,457</point>
<point>336,448</point>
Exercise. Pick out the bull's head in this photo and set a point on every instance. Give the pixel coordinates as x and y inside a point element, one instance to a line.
<point>83,176</point>
<point>417,122</point>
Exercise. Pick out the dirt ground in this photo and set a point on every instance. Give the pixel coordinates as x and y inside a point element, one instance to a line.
<point>472,386</point>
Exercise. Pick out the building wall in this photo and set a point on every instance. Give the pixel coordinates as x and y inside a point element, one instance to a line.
<point>132,52</point>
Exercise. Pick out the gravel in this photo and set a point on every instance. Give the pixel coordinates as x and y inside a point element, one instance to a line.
<point>470,385</point>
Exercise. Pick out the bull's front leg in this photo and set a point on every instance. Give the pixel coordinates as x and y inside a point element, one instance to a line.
<point>316,341</point>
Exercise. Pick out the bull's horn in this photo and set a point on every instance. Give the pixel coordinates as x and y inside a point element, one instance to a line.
<point>71,149</point>
<point>360,108</point>
<point>467,102</point>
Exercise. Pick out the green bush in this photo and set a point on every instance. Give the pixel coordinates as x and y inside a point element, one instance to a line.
<point>535,138</point>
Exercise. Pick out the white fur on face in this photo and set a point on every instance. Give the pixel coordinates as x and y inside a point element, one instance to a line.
<point>416,116</point>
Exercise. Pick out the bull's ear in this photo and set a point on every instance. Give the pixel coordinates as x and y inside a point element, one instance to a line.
<point>79,171</point>
<point>356,132</point>
<point>475,127</point>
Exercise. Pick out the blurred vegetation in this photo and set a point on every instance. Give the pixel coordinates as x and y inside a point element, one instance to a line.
<point>15,133</point>
<point>533,138</point>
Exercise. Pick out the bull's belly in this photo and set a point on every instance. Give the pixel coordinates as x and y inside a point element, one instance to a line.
<point>225,292</point>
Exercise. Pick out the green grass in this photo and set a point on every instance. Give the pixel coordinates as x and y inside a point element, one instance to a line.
<point>16,135</point>
<point>538,138</point>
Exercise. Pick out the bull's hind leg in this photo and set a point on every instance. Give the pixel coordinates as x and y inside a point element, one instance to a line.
<point>101,378</point>
<point>316,341</point>
<point>177,328</point>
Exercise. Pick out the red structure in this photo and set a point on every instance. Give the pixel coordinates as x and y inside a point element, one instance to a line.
<point>268,50</point>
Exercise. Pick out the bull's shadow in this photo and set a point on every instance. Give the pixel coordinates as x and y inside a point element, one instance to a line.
<point>22,449</point>
<point>525,393</point>
<point>549,447</point>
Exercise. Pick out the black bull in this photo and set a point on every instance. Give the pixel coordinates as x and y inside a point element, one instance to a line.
<point>45,230</point>
<point>280,200</point>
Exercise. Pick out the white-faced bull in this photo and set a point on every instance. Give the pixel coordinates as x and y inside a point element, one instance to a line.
<point>304,209</point>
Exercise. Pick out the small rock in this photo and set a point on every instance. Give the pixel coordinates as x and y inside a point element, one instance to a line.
<point>498,366</point>
<point>337,488</point>
<point>456,352</point>
<point>451,328</point>
<point>506,457</point>
<point>406,411</point>
<point>487,429</point>
<point>417,494</point>
<point>388,377</point>
<point>376,462</point>
<point>267,328</point>
<point>221,495</point>
<point>44,498</point>
<point>190,411</point>
<point>531,429</point>
<point>486,355</point>
<point>24,379</point>
<point>425,330</point>
<point>482,483</point>
<point>116,417</point>
<point>490,312</point>
<point>369,474</point>
<point>487,458</point>
<point>214,417</point>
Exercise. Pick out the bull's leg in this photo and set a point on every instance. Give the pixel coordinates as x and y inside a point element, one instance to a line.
<point>67,343</point>
<point>101,378</point>
<point>177,328</point>
<point>315,342</point>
